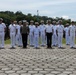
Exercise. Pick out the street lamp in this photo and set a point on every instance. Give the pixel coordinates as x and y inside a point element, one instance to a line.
<point>37,15</point>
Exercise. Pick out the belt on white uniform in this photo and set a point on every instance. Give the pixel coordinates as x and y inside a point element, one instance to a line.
<point>12,32</point>
<point>36,34</point>
<point>60,32</point>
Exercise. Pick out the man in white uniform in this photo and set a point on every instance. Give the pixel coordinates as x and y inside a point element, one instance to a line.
<point>60,30</point>
<point>54,36</point>
<point>49,32</point>
<point>19,34</point>
<point>31,36</point>
<point>57,24</point>
<point>42,33</point>
<point>66,29</point>
<point>17,40</point>
<point>72,30</point>
<point>12,29</point>
<point>2,32</point>
<point>36,33</point>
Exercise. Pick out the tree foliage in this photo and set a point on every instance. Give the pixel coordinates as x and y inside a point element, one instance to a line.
<point>9,15</point>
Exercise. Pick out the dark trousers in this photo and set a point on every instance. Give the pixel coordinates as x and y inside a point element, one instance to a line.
<point>24,40</point>
<point>49,39</point>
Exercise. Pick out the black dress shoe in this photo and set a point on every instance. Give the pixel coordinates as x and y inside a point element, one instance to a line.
<point>47,47</point>
<point>73,47</point>
<point>50,47</point>
<point>12,48</point>
<point>24,47</point>
<point>2,48</point>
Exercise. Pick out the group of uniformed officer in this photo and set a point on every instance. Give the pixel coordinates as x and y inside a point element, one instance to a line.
<point>50,34</point>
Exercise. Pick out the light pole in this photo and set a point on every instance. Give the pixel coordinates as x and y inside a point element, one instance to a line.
<point>37,15</point>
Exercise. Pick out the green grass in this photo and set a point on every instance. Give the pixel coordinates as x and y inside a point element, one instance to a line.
<point>8,41</point>
<point>64,41</point>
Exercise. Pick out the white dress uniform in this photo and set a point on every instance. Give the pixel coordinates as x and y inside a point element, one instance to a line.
<point>3,35</point>
<point>12,29</point>
<point>60,29</point>
<point>72,30</point>
<point>49,32</point>
<point>31,36</point>
<point>54,36</point>
<point>36,32</point>
<point>45,35</point>
<point>42,34</point>
<point>2,29</point>
<point>19,37</point>
<point>66,29</point>
<point>17,40</point>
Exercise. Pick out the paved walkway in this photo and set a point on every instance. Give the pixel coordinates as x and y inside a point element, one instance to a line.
<point>37,61</point>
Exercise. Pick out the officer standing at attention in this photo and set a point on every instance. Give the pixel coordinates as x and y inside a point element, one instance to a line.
<point>72,30</point>
<point>49,32</point>
<point>3,36</point>
<point>12,30</point>
<point>19,37</point>
<point>36,33</point>
<point>31,36</point>
<point>66,29</point>
<point>16,24</point>
<point>60,30</point>
<point>2,30</point>
<point>54,36</point>
<point>42,33</point>
<point>24,32</point>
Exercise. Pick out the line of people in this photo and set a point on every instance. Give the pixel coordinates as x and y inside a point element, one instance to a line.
<point>50,34</point>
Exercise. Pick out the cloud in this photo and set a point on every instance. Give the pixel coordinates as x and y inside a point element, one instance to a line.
<point>65,17</point>
<point>48,8</point>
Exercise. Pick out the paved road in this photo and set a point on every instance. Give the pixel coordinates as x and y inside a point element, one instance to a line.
<point>37,61</point>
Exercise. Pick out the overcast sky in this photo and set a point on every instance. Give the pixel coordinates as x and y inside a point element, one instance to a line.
<point>50,8</point>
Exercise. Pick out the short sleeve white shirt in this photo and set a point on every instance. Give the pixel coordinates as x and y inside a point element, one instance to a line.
<point>12,28</point>
<point>49,28</point>
<point>18,29</point>
<point>72,28</point>
<point>1,28</point>
<point>60,28</point>
<point>36,30</point>
<point>42,29</point>
<point>31,27</point>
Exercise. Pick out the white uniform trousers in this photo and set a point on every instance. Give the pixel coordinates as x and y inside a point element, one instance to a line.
<point>67,39</point>
<point>2,39</point>
<point>12,37</point>
<point>36,41</point>
<point>57,40</point>
<point>31,37</point>
<point>72,39</point>
<point>54,39</point>
<point>3,36</point>
<point>43,39</point>
<point>60,36</point>
<point>19,39</point>
<point>16,42</point>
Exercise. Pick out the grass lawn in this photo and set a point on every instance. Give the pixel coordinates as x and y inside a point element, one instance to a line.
<point>8,41</point>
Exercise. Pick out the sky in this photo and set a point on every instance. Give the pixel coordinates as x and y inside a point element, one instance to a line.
<point>50,8</point>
